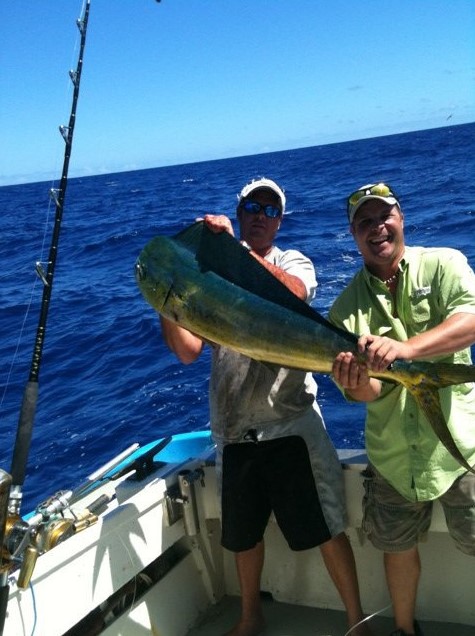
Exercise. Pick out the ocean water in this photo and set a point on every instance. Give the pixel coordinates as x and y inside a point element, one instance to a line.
<point>106,378</point>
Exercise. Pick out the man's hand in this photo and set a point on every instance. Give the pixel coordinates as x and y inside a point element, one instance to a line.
<point>380,351</point>
<point>218,223</point>
<point>348,372</point>
<point>352,375</point>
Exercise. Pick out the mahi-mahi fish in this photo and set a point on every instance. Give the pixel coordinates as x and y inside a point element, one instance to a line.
<point>211,285</point>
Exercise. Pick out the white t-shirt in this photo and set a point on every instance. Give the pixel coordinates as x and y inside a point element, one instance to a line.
<point>248,394</point>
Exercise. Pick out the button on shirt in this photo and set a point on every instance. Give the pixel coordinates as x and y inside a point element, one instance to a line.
<point>434,284</point>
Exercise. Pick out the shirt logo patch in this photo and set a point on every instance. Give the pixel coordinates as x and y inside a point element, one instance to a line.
<point>419,293</point>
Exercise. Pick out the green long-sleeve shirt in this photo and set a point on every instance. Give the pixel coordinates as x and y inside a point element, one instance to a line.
<point>434,284</point>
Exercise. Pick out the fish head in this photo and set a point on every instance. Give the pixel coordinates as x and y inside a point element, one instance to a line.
<point>153,272</point>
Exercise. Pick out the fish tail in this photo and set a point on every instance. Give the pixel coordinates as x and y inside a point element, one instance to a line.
<point>437,374</point>
<point>426,395</point>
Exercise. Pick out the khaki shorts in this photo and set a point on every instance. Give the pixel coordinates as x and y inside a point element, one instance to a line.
<point>394,524</point>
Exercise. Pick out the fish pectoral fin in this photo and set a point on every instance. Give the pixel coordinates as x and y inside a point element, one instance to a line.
<point>427,397</point>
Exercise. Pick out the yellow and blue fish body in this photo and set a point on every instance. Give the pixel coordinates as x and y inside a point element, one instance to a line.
<point>209,284</point>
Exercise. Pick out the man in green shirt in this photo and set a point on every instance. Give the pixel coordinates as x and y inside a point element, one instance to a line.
<point>407,303</point>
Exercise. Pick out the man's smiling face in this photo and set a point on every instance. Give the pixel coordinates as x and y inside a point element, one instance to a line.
<point>378,229</point>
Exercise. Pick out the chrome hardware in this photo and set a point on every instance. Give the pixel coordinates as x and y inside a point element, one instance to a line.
<point>181,500</point>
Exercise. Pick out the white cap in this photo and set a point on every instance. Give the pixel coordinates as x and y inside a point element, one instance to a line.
<point>380,191</point>
<point>261,184</point>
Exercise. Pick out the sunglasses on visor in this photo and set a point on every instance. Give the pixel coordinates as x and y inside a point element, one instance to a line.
<point>379,190</point>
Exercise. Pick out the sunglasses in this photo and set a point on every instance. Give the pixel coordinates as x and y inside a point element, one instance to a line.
<point>379,190</point>
<point>253,207</point>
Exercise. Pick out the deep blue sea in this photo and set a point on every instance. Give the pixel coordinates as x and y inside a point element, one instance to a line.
<point>106,378</point>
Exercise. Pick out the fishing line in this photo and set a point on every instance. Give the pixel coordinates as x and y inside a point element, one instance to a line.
<point>35,609</point>
<point>132,564</point>
<point>30,396</point>
<point>72,84</point>
<point>15,354</point>
<point>35,612</point>
<point>39,266</point>
<point>367,618</point>
<point>68,89</point>
<point>31,391</point>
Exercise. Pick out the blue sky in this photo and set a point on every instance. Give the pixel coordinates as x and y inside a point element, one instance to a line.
<point>189,80</point>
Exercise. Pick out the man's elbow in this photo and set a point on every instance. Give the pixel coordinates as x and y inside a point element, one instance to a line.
<point>187,357</point>
<point>186,352</point>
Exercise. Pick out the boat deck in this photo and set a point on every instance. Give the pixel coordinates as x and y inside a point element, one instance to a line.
<point>284,619</point>
<point>159,568</point>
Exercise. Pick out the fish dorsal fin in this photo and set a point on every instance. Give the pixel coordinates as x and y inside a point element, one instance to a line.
<point>190,237</point>
<point>223,254</point>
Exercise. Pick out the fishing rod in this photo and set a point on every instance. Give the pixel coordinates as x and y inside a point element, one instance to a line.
<point>15,480</point>
<point>28,407</point>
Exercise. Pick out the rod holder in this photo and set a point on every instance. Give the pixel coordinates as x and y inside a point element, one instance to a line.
<point>186,484</point>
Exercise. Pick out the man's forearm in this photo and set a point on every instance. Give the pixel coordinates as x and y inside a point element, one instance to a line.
<point>184,344</point>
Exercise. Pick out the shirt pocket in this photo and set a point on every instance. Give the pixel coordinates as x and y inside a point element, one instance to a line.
<point>420,311</point>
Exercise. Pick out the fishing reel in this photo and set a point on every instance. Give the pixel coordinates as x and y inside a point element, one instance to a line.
<point>55,520</point>
<point>25,539</point>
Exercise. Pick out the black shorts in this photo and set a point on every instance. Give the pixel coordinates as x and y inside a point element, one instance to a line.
<point>274,475</point>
